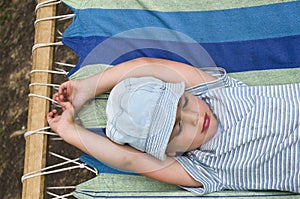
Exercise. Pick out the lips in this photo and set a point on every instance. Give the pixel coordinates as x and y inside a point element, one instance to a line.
<point>206,123</point>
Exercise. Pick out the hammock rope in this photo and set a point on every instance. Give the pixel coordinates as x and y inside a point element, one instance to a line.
<point>59,18</point>
<point>44,171</point>
<point>40,45</point>
<point>54,86</point>
<point>57,71</point>
<point>65,196</point>
<point>39,131</point>
<point>41,96</point>
<point>46,3</point>
<point>65,64</point>
<point>67,164</point>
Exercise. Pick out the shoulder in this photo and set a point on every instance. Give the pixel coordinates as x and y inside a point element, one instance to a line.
<point>222,80</point>
<point>200,172</point>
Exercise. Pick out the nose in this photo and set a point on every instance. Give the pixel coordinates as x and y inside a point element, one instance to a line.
<point>190,116</point>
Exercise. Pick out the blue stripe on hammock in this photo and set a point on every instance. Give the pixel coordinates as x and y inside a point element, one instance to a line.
<point>103,194</point>
<point>242,39</point>
<point>252,23</point>
<point>263,37</point>
<point>102,167</point>
<point>233,56</point>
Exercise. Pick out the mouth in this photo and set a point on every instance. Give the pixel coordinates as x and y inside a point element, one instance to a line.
<point>206,123</point>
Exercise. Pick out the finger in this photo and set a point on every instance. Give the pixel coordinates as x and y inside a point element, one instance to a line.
<point>55,112</point>
<point>61,97</point>
<point>63,104</point>
<point>67,106</point>
<point>62,88</point>
<point>52,113</point>
<point>49,117</point>
<point>55,96</point>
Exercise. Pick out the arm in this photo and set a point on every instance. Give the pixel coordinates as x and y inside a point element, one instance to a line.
<point>166,70</point>
<point>124,157</point>
<point>128,158</point>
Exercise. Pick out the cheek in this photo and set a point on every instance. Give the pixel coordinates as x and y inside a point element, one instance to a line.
<point>178,144</point>
<point>173,145</point>
<point>186,141</point>
<point>187,138</point>
<point>193,139</point>
<point>190,132</point>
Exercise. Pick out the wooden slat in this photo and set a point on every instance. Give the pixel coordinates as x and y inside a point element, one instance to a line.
<point>36,145</point>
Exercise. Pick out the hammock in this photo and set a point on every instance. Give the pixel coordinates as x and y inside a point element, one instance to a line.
<point>257,42</point>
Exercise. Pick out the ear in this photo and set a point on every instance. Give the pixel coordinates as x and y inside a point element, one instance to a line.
<point>171,154</point>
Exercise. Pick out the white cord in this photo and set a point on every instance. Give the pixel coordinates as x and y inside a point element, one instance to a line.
<point>44,97</point>
<point>35,131</point>
<point>59,18</point>
<point>28,133</point>
<point>44,171</point>
<point>59,32</point>
<point>46,3</point>
<point>57,71</point>
<point>55,86</point>
<point>35,174</point>
<point>55,195</point>
<point>57,188</point>
<point>40,45</point>
<point>56,139</point>
<point>67,159</point>
<point>65,64</point>
<point>59,197</point>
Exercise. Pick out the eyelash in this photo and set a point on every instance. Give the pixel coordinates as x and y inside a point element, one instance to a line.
<point>185,102</point>
<point>179,127</point>
<point>179,122</point>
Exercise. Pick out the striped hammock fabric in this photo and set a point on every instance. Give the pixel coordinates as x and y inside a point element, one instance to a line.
<point>236,35</point>
<point>250,39</point>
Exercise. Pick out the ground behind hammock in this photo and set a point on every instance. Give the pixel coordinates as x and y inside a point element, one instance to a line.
<point>16,40</point>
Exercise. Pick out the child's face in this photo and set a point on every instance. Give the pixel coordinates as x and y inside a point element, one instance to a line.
<point>195,124</point>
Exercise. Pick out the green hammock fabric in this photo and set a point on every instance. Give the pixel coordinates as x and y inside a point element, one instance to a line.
<point>128,186</point>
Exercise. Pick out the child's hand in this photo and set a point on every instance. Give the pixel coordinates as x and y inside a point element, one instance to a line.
<point>61,124</point>
<point>73,92</point>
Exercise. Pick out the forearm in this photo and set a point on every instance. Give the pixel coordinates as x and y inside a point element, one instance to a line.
<point>95,145</point>
<point>168,71</point>
<point>128,158</point>
<point>120,156</point>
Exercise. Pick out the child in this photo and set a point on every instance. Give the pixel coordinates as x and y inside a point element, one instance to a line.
<point>228,135</point>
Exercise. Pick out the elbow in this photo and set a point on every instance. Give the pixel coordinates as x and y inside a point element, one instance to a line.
<point>127,161</point>
<point>137,162</point>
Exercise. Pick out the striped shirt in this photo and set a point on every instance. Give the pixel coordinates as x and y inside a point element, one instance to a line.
<point>259,144</point>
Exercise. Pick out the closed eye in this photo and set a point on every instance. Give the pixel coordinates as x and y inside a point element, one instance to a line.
<point>179,128</point>
<point>178,124</point>
<point>185,103</point>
